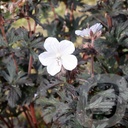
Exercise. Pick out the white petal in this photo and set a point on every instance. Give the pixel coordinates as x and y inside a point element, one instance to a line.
<point>95,28</point>
<point>99,26</point>
<point>54,68</point>
<point>83,33</point>
<point>78,32</point>
<point>46,58</point>
<point>66,47</point>
<point>69,62</point>
<point>51,44</point>
<point>86,32</point>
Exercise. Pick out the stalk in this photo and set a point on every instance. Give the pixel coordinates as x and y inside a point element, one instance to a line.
<point>6,123</point>
<point>31,106</point>
<point>32,110</point>
<point>27,117</point>
<point>92,59</point>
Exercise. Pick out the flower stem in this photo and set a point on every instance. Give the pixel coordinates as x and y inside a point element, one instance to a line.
<point>92,58</point>
<point>31,106</point>
<point>27,117</point>
<point>33,115</point>
<point>2,119</point>
<point>92,66</point>
<point>30,34</point>
<point>30,64</point>
<point>71,14</point>
<point>10,121</point>
<point>92,42</point>
<point>2,21</point>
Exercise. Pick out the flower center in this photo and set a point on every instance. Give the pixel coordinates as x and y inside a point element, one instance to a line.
<point>58,59</point>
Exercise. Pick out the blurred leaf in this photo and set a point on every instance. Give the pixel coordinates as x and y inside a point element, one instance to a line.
<point>2,41</point>
<point>11,72</point>
<point>46,83</point>
<point>13,96</point>
<point>125,69</point>
<point>102,125</point>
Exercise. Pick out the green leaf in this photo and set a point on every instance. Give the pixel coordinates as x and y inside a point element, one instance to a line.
<point>13,96</point>
<point>46,83</point>
<point>2,41</point>
<point>11,72</point>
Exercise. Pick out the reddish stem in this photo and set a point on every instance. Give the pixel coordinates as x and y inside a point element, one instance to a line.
<point>2,119</point>
<point>3,33</point>
<point>66,10</point>
<point>92,66</point>
<point>32,110</point>
<point>2,21</point>
<point>27,117</point>
<point>109,20</point>
<point>92,42</point>
<point>92,58</point>
<point>31,107</point>
<point>29,26</point>
<point>71,14</point>
<point>10,121</point>
<point>34,27</point>
<point>30,64</point>
<point>30,58</point>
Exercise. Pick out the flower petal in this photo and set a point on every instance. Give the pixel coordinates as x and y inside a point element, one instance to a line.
<point>96,27</point>
<point>66,47</point>
<point>46,58</point>
<point>78,32</point>
<point>69,62</point>
<point>83,33</point>
<point>86,32</point>
<point>51,44</point>
<point>54,68</point>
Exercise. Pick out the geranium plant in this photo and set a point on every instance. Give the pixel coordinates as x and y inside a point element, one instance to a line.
<point>63,68</point>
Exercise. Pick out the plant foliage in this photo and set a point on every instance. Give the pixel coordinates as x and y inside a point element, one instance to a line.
<point>70,100</point>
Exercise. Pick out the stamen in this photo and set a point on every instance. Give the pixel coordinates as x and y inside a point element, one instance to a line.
<point>58,59</point>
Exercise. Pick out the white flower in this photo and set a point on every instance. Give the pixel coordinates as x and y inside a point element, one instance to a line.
<point>94,31</point>
<point>3,8</point>
<point>58,54</point>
